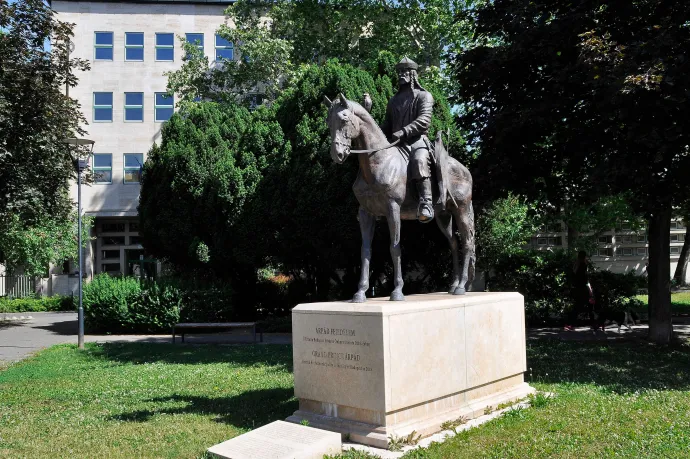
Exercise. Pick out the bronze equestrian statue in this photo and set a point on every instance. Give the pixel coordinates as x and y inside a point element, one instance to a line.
<point>382,186</point>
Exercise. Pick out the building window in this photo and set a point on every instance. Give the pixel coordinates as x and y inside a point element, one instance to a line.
<point>165,47</point>
<point>605,239</point>
<point>110,254</point>
<point>677,237</point>
<point>542,241</point>
<point>112,227</point>
<point>163,106</point>
<point>134,226</point>
<point>135,240</point>
<point>134,106</point>
<point>627,251</point>
<point>196,39</point>
<point>103,168</point>
<point>642,238</point>
<point>626,226</point>
<point>103,107</point>
<point>134,46</point>
<point>624,239</point>
<point>642,251</point>
<point>133,165</point>
<point>110,268</point>
<point>555,241</point>
<point>224,49</point>
<point>605,252</point>
<point>113,240</point>
<point>675,250</point>
<point>103,46</point>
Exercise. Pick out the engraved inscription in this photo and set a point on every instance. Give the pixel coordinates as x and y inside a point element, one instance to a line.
<point>344,353</point>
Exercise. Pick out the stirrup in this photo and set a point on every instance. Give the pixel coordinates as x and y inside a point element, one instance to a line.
<point>425,205</point>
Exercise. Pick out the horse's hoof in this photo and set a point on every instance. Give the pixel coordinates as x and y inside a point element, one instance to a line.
<point>359,297</point>
<point>452,288</point>
<point>397,296</point>
<point>459,291</point>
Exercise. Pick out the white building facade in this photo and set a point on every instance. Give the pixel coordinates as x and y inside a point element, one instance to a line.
<point>618,250</point>
<point>130,45</point>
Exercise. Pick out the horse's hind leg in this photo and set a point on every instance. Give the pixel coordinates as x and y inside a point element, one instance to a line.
<point>393,218</point>
<point>465,224</point>
<point>444,220</point>
<point>367,223</point>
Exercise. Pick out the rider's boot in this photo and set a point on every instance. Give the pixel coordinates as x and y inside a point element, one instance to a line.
<point>425,212</point>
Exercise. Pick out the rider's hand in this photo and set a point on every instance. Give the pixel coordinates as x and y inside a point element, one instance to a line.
<point>398,135</point>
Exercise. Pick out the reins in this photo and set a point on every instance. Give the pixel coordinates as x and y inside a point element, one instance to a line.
<point>361,152</point>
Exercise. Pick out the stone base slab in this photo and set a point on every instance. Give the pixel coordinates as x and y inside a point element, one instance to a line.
<point>383,368</point>
<point>280,440</point>
<point>378,436</point>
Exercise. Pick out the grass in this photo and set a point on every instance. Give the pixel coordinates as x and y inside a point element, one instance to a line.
<point>133,400</point>
<point>680,302</point>
<point>137,400</point>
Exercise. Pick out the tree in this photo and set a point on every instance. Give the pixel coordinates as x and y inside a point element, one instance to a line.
<point>196,184</point>
<point>581,100</point>
<point>35,115</point>
<point>682,267</point>
<point>275,37</point>
<point>503,229</point>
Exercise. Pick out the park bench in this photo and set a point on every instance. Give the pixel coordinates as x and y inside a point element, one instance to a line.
<point>183,328</point>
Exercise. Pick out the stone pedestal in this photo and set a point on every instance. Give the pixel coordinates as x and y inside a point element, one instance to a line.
<point>387,368</point>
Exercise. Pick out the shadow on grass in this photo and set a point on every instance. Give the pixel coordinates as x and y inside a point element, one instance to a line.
<point>243,354</point>
<point>247,410</point>
<point>621,367</point>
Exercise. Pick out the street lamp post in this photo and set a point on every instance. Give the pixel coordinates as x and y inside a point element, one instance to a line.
<point>80,165</point>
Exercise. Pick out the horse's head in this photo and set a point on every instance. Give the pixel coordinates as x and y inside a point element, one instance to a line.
<point>344,126</point>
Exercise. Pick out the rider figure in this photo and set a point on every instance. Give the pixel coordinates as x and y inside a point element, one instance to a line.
<point>408,117</point>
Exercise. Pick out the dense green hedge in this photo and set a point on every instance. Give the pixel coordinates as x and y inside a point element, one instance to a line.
<point>124,305</point>
<point>40,304</point>
<point>545,279</point>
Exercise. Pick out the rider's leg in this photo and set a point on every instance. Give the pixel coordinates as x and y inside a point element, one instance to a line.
<point>420,172</point>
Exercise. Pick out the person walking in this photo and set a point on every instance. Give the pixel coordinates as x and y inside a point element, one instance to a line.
<point>583,296</point>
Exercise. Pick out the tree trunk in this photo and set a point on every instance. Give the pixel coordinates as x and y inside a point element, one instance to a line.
<point>659,280</point>
<point>682,267</point>
<point>572,236</point>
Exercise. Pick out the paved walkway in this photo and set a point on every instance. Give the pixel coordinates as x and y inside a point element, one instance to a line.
<point>23,334</point>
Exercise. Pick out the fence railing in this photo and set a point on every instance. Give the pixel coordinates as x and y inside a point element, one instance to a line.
<point>17,286</point>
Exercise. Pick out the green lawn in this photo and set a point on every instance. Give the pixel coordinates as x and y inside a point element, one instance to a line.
<point>623,399</point>
<point>138,400</point>
<point>680,302</point>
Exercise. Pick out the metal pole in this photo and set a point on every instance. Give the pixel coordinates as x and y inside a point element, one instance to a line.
<point>80,313</point>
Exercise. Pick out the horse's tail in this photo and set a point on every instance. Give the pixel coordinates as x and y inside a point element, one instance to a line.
<point>470,247</point>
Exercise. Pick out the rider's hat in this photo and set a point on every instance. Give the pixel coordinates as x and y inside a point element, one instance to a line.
<point>406,63</point>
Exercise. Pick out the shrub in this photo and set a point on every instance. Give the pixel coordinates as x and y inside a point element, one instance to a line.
<point>156,308</point>
<point>209,304</point>
<point>545,277</point>
<point>40,304</point>
<point>107,303</point>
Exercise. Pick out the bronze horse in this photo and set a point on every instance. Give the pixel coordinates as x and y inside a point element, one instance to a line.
<point>382,191</point>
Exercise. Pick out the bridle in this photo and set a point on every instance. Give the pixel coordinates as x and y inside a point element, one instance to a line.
<point>348,145</point>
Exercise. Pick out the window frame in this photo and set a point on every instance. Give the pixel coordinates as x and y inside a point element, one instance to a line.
<point>629,249</point>
<point>222,47</point>
<point>607,250</point>
<point>157,47</point>
<point>641,249</point>
<point>111,46</point>
<point>101,168</point>
<point>156,106</point>
<point>203,39</point>
<point>126,106</point>
<point>93,118</point>
<point>125,168</point>
<point>674,250</point>
<point>143,42</point>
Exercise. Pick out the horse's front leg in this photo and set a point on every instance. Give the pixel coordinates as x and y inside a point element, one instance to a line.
<point>394,228</point>
<point>367,223</point>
